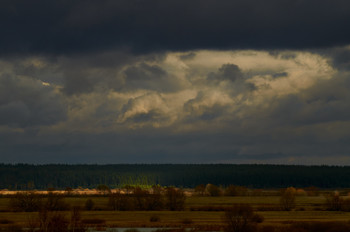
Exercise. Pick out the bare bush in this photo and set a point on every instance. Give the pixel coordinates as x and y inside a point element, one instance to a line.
<point>140,198</point>
<point>137,199</point>
<point>89,204</point>
<point>154,218</point>
<point>287,199</point>
<point>57,223</point>
<point>200,190</point>
<point>55,202</point>
<point>103,189</point>
<point>155,200</point>
<point>52,221</point>
<point>76,224</point>
<point>213,190</point>
<point>187,221</point>
<point>25,201</point>
<point>334,202</point>
<point>11,228</point>
<point>233,190</point>
<point>241,218</point>
<point>119,201</point>
<point>175,198</point>
<point>93,221</point>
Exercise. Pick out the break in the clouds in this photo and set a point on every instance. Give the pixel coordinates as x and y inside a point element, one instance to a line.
<point>175,81</point>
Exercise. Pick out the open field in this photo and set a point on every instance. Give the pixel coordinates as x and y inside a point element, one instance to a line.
<point>177,218</point>
<point>199,210</point>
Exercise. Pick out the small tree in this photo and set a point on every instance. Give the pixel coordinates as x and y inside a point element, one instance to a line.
<point>334,202</point>
<point>75,224</point>
<point>200,189</point>
<point>140,198</point>
<point>57,223</point>
<point>287,200</point>
<point>119,201</point>
<point>55,202</point>
<point>312,191</point>
<point>213,190</point>
<point>103,189</point>
<point>233,190</point>
<point>68,191</point>
<point>241,218</point>
<point>52,221</point>
<point>26,201</point>
<point>89,204</point>
<point>155,200</point>
<point>175,198</point>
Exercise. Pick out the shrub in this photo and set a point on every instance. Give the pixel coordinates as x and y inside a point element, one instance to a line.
<point>89,204</point>
<point>12,228</point>
<point>68,191</point>
<point>52,222</point>
<point>140,198</point>
<point>103,189</point>
<point>119,201</point>
<point>287,200</point>
<point>155,200</point>
<point>175,199</point>
<point>32,223</point>
<point>187,221</point>
<point>213,190</point>
<point>75,221</point>
<point>312,191</point>
<point>321,226</point>
<point>200,189</point>
<point>57,223</point>
<point>55,202</point>
<point>346,205</point>
<point>154,218</point>
<point>94,221</point>
<point>25,201</point>
<point>334,202</point>
<point>5,221</point>
<point>241,218</point>
<point>233,190</point>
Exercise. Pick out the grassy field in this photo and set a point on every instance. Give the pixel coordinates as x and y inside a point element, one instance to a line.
<point>308,208</point>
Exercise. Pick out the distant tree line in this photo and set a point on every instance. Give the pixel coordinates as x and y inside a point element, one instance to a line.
<point>135,198</point>
<point>27,177</point>
<point>155,199</point>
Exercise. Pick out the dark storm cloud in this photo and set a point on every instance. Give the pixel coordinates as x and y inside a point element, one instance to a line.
<point>234,77</point>
<point>150,77</point>
<point>340,57</point>
<point>61,27</point>
<point>196,106</point>
<point>229,72</point>
<point>203,112</point>
<point>25,102</point>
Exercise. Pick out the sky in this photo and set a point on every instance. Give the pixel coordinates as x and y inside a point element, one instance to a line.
<point>175,81</point>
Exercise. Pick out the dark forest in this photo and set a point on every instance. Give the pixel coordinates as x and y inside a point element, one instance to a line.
<point>25,176</point>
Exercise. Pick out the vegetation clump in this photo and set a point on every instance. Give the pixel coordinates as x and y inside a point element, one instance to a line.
<point>241,218</point>
<point>287,199</point>
<point>89,204</point>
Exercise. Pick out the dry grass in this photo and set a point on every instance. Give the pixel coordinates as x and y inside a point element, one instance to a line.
<point>304,212</point>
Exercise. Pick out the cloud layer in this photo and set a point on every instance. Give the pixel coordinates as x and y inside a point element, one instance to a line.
<point>195,106</point>
<point>71,27</point>
<point>175,81</point>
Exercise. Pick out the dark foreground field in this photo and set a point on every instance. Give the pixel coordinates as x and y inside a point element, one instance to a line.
<point>308,213</point>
